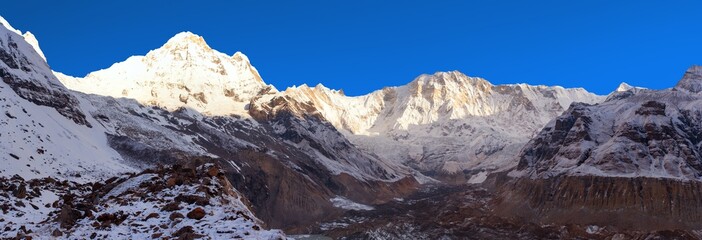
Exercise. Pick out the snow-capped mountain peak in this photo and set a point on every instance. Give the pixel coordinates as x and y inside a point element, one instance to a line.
<point>623,87</point>
<point>625,90</point>
<point>185,71</point>
<point>692,80</point>
<point>186,39</point>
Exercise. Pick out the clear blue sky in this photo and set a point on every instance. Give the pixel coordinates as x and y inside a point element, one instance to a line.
<point>360,46</point>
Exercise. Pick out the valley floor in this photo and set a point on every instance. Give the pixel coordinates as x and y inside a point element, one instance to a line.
<point>464,212</point>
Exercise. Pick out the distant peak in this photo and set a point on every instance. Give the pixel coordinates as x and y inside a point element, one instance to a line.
<point>623,87</point>
<point>442,78</point>
<point>186,39</point>
<point>320,86</point>
<point>453,73</point>
<point>240,57</point>
<point>692,80</point>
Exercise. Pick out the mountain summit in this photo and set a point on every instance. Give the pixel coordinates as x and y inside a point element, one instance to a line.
<point>692,80</point>
<point>184,72</point>
<point>186,39</point>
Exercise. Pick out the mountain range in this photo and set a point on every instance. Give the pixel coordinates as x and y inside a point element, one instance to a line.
<point>196,134</point>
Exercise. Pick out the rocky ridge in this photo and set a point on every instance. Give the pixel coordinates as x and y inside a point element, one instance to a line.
<point>441,123</point>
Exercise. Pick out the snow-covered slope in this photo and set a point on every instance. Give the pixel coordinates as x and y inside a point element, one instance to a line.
<point>177,202</point>
<point>445,122</point>
<point>649,134</point>
<point>183,72</point>
<point>43,128</point>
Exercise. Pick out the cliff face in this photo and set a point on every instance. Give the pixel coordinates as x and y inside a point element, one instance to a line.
<point>627,203</point>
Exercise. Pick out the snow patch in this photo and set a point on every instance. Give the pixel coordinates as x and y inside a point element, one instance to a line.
<point>478,178</point>
<point>343,203</point>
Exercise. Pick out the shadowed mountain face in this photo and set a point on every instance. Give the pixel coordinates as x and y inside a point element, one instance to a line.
<point>632,162</point>
<point>647,134</point>
<point>277,171</point>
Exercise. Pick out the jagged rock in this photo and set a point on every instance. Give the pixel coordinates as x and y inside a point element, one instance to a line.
<point>56,233</point>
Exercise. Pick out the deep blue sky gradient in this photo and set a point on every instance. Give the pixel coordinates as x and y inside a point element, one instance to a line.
<point>363,45</point>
